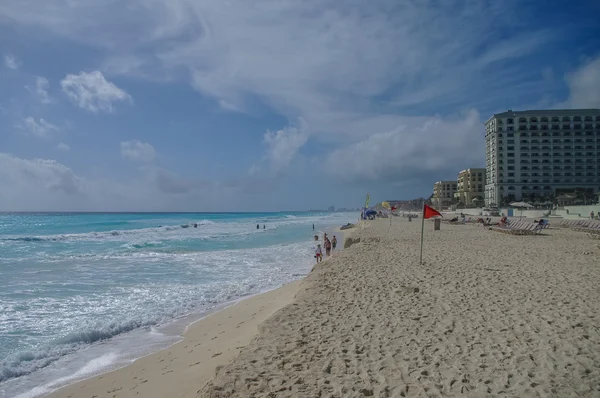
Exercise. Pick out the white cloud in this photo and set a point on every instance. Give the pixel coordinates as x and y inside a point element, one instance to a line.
<point>413,149</point>
<point>284,144</point>
<point>31,177</point>
<point>316,58</point>
<point>41,90</point>
<point>47,185</point>
<point>584,86</point>
<point>93,92</point>
<point>40,129</point>
<point>11,62</point>
<point>138,151</point>
<point>63,147</point>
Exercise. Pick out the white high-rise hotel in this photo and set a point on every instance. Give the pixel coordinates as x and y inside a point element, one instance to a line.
<point>540,152</point>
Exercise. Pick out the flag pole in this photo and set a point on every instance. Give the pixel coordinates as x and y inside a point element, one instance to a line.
<point>422,228</point>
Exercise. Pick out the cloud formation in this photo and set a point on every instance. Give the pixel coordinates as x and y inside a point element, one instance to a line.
<point>42,86</point>
<point>45,184</point>
<point>138,151</point>
<point>91,91</point>
<point>584,86</point>
<point>412,150</point>
<point>283,145</point>
<point>40,129</point>
<point>63,147</point>
<point>10,61</point>
<point>37,176</point>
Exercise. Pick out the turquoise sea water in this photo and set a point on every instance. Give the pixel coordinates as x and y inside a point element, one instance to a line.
<point>80,293</point>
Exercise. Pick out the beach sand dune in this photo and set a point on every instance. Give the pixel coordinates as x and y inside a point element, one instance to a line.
<point>488,314</point>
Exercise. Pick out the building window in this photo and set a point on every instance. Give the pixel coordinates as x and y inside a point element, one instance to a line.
<point>566,119</point>
<point>509,121</point>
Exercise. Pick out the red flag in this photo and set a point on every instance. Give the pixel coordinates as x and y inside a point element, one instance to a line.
<point>429,212</point>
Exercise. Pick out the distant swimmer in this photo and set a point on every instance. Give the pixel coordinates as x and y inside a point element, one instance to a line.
<point>195,225</point>
<point>313,227</point>
<point>264,226</point>
<point>257,226</point>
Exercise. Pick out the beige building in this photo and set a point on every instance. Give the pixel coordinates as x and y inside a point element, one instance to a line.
<point>541,153</point>
<point>470,188</point>
<point>443,192</point>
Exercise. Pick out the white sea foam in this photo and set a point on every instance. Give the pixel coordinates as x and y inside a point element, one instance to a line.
<point>63,301</point>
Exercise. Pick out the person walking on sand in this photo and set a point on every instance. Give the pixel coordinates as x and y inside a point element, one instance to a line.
<point>319,253</point>
<point>333,243</point>
<point>327,247</point>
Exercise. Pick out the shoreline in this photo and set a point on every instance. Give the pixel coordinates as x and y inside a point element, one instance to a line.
<point>136,377</point>
<point>206,344</point>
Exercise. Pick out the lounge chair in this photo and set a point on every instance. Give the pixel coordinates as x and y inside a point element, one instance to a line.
<point>520,228</point>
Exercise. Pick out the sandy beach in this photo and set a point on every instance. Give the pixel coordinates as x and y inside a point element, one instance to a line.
<point>487,314</point>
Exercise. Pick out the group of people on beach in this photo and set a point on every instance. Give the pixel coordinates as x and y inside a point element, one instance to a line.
<point>328,244</point>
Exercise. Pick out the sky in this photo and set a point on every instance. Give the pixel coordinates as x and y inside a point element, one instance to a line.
<point>268,105</point>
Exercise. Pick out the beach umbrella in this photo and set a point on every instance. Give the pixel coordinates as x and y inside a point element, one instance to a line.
<point>386,205</point>
<point>521,206</point>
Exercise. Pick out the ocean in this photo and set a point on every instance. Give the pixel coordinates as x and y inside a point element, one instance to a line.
<point>82,293</point>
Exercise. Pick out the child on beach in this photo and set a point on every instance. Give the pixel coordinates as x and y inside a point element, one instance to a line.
<point>319,253</point>
<point>334,242</point>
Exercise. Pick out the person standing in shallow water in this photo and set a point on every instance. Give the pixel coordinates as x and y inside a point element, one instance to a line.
<point>333,243</point>
<point>257,226</point>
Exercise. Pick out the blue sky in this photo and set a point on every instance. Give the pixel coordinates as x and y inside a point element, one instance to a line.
<point>197,105</point>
